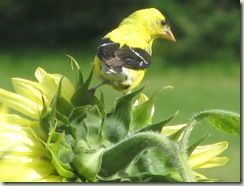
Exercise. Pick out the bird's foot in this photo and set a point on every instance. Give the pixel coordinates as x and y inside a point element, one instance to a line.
<point>93,90</point>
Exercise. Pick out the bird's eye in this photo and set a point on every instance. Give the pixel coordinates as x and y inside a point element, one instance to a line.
<point>164,22</point>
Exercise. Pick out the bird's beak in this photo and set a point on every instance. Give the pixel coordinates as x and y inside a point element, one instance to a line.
<point>167,34</point>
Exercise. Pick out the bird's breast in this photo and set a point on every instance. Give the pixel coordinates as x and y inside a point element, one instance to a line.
<point>122,79</point>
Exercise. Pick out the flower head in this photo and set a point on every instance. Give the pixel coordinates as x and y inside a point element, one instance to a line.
<point>64,133</point>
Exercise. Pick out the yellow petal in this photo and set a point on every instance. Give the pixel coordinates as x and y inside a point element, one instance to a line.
<point>67,89</point>
<point>19,121</point>
<point>215,162</point>
<point>3,111</point>
<point>48,81</point>
<point>40,74</point>
<point>200,176</point>
<point>52,81</point>
<point>21,155</point>
<point>24,169</point>
<point>34,91</point>
<point>20,103</point>
<point>143,98</point>
<point>168,130</point>
<point>204,154</point>
<point>51,178</point>
<point>29,89</point>
<point>17,139</point>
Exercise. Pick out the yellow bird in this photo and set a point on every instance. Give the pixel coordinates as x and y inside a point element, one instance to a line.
<point>124,53</point>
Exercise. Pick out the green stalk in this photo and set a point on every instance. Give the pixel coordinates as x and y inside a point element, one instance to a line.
<point>138,143</point>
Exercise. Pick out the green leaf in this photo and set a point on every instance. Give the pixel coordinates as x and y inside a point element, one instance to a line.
<point>116,125</point>
<point>225,121</point>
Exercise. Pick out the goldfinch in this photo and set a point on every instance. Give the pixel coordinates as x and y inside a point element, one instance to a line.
<point>124,53</point>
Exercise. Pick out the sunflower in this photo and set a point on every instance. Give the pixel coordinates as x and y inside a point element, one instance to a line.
<point>60,132</point>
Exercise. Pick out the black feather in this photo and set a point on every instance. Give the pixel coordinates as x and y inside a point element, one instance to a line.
<point>129,57</point>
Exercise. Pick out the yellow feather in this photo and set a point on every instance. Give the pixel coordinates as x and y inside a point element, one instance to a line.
<point>138,30</point>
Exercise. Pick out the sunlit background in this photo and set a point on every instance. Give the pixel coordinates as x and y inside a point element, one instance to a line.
<point>203,65</point>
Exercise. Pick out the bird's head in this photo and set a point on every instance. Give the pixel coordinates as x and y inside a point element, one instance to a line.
<point>155,23</point>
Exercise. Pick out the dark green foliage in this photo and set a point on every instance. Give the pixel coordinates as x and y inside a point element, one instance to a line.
<point>204,30</point>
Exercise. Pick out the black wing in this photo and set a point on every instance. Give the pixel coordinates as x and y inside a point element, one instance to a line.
<point>129,57</point>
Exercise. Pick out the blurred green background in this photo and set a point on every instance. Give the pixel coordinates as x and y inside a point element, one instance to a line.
<point>203,65</point>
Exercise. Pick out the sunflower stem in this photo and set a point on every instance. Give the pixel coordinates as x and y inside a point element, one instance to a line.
<point>185,169</point>
<point>137,144</point>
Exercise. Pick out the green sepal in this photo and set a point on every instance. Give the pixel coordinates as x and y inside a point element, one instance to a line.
<point>64,107</point>
<point>198,142</point>
<point>59,166</point>
<point>176,136</point>
<point>86,122</point>
<point>47,118</point>
<point>157,127</point>
<point>79,130</point>
<point>63,147</point>
<point>79,113</point>
<point>50,114</point>
<point>142,114</point>
<point>83,97</point>
<point>81,146</point>
<point>116,125</point>
<point>88,163</point>
<point>53,146</point>
<point>94,123</point>
<point>78,74</point>
<point>101,97</point>
<point>51,151</point>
